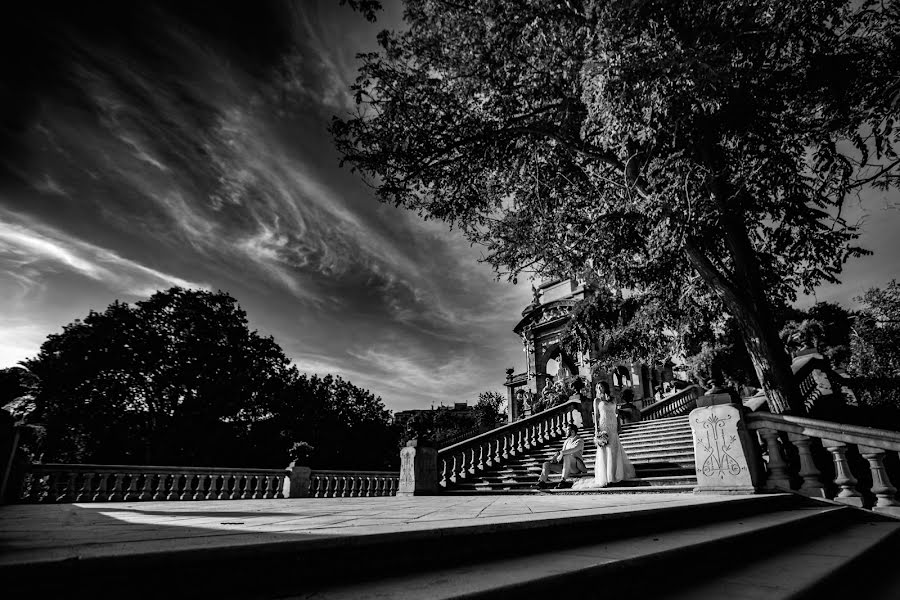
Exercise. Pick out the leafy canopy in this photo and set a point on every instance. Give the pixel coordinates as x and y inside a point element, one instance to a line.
<point>179,378</point>
<point>695,153</point>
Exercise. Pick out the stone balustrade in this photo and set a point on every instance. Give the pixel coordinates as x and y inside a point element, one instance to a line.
<point>469,457</point>
<point>50,483</point>
<point>779,432</point>
<point>353,484</point>
<point>127,483</point>
<point>680,403</point>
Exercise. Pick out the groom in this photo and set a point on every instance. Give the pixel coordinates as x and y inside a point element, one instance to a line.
<point>568,461</point>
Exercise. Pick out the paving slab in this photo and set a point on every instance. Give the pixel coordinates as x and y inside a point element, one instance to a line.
<point>41,533</point>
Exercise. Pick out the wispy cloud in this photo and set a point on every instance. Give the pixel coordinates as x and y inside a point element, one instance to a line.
<point>42,248</point>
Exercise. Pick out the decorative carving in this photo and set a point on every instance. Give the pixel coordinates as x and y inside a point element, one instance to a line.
<point>718,445</point>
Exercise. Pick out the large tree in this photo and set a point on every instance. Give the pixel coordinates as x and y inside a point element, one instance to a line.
<point>177,378</point>
<point>695,154</point>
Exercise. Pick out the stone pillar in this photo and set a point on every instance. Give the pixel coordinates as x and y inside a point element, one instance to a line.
<point>725,454</point>
<point>512,409</point>
<point>418,470</point>
<point>296,484</point>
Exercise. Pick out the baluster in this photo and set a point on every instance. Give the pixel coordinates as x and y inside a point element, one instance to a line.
<point>258,491</point>
<point>480,466</point>
<point>116,495</point>
<point>52,485</point>
<point>100,495</point>
<point>176,484</point>
<point>535,432</point>
<point>344,484</point>
<point>881,483</point>
<point>213,492</point>
<point>471,461</point>
<point>68,494</point>
<point>445,469</point>
<point>454,469</point>
<point>236,492</point>
<point>777,467</point>
<point>526,437</point>
<point>147,489</point>
<point>188,492</point>
<point>160,493</point>
<point>812,480</point>
<point>495,455</point>
<point>521,445</point>
<point>329,490</point>
<point>355,485</point>
<point>270,487</point>
<point>843,478</point>
<point>279,486</point>
<point>84,495</point>
<point>505,453</point>
<point>131,493</point>
<point>249,480</point>
<point>365,485</point>
<point>463,465</point>
<point>320,490</point>
<point>378,485</point>
<point>395,483</point>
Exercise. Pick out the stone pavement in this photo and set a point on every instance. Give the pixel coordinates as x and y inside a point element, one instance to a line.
<point>33,534</point>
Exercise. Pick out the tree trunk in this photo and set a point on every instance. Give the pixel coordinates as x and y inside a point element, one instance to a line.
<point>748,303</point>
<point>743,292</point>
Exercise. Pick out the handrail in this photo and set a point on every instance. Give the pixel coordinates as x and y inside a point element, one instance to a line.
<point>93,468</point>
<point>495,447</point>
<point>871,443</point>
<point>666,405</point>
<point>514,426</point>
<point>461,436</point>
<point>849,434</point>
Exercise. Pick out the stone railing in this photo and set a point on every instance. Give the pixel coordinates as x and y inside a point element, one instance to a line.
<point>680,403</point>
<point>353,484</point>
<point>466,459</point>
<point>800,438</point>
<point>459,437</point>
<point>51,483</point>
<point>126,483</point>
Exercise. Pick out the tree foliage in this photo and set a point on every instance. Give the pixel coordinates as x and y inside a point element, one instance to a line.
<point>179,378</point>
<point>696,154</point>
<point>875,338</point>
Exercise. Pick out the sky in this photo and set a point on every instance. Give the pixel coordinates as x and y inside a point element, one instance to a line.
<point>148,145</point>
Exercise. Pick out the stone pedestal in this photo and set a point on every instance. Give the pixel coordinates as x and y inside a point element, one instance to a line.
<point>418,471</point>
<point>725,454</point>
<point>296,485</point>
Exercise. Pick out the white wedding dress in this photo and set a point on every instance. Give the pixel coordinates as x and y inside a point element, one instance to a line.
<point>612,463</point>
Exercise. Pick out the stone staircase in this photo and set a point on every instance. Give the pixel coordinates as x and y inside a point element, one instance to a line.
<point>661,451</point>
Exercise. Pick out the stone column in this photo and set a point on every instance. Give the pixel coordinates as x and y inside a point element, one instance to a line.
<point>511,407</point>
<point>725,454</point>
<point>296,484</point>
<point>418,470</point>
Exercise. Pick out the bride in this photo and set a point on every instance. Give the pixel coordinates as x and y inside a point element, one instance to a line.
<point>612,463</point>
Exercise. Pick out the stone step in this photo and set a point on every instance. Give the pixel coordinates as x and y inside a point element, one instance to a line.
<point>776,554</point>
<point>531,481</point>
<point>528,488</point>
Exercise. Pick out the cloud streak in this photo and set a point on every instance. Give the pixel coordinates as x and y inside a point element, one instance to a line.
<point>25,249</point>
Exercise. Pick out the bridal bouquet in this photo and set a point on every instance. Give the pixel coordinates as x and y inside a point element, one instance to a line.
<point>602,439</point>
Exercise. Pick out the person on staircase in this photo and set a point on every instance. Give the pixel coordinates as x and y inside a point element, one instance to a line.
<point>568,461</point>
<point>612,464</point>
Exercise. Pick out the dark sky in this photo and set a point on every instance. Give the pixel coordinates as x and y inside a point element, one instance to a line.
<point>150,144</point>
